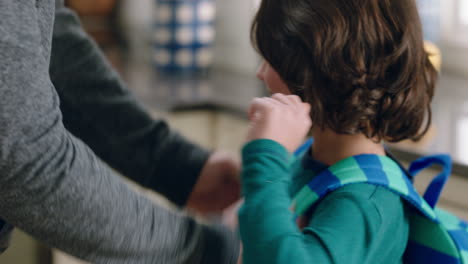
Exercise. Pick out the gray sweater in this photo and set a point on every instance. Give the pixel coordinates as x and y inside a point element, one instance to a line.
<point>53,128</point>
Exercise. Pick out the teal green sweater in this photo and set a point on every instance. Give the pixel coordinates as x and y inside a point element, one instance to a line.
<point>355,224</point>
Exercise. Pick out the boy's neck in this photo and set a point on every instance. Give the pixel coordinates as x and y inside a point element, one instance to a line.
<point>330,147</point>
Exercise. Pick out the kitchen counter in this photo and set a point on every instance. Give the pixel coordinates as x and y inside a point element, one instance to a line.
<point>231,93</point>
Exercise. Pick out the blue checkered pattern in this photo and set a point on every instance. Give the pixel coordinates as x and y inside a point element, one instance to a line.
<point>183,35</point>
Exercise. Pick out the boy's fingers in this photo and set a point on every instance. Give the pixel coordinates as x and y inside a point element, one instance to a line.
<point>295,99</point>
<point>292,102</point>
<point>292,99</point>
<point>260,105</point>
<point>252,107</point>
<point>272,102</point>
<point>306,108</point>
<point>287,99</point>
<point>285,102</point>
<point>263,103</point>
<point>281,98</point>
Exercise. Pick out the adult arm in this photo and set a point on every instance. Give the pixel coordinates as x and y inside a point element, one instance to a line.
<point>53,186</point>
<point>99,109</point>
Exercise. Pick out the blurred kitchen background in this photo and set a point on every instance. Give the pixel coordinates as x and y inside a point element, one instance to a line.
<point>191,62</point>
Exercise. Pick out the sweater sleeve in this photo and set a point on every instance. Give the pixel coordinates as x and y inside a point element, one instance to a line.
<point>346,227</point>
<point>99,109</point>
<point>5,235</point>
<point>53,186</point>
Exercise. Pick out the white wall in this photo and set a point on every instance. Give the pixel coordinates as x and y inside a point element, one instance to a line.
<point>136,18</point>
<point>453,42</point>
<point>232,48</point>
<point>454,59</point>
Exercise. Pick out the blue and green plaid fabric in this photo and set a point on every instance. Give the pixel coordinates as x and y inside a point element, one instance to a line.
<point>435,236</point>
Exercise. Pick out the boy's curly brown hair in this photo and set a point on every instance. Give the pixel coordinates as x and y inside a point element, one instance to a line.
<point>361,64</point>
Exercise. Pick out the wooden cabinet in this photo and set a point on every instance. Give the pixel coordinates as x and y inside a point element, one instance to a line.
<point>92,7</point>
<point>97,19</point>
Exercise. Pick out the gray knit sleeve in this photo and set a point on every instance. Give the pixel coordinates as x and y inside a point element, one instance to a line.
<point>54,187</point>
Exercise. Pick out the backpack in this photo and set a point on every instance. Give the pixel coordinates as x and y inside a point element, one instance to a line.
<point>435,236</point>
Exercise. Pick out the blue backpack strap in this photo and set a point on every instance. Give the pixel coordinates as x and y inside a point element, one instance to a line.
<point>304,147</point>
<point>445,242</point>
<point>434,189</point>
<point>371,169</point>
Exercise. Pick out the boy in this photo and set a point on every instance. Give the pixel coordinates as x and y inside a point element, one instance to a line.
<point>362,67</point>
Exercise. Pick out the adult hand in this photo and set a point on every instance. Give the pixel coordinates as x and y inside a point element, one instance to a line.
<point>218,185</point>
<point>282,118</point>
<point>230,218</point>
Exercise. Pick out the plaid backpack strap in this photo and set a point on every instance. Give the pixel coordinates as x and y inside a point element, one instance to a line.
<point>304,147</point>
<point>458,230</point>
<point>371,169</point>
<point>429,240</point>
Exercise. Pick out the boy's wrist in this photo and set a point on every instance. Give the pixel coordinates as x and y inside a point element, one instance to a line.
<point>265,146</point>
<point>265,162</point>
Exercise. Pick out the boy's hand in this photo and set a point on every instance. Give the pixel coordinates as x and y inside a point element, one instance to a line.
<point>282,118</point>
